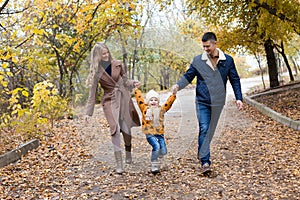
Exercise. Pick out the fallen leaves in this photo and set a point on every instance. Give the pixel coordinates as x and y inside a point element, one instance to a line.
<point>44,172</point>
<point>265,158</point>
<point>285,102</point>
<point>254,157</point>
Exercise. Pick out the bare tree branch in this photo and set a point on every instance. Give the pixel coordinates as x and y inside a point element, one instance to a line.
<point>3,27</point>
<point>3,6</point>
<point>24,41</point>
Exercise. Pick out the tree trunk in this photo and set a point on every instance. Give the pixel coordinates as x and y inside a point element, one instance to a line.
<point>145,76</point>
<point>295,65</point>
<point>288,67</point>
<point>124,51</point>
<point>161,82</point>
<point>165,76</point>
<point>168,78</point>
<point>271,60</point>
<point>285,60</point>
<point>134,59</point>
<point>261,69</point>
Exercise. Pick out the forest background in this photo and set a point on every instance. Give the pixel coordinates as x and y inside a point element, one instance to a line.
<point>45,46</point>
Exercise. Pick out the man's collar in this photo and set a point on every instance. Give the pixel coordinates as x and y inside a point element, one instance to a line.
<point>221,55</point>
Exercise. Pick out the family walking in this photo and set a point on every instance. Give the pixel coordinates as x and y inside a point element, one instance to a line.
<point>212,68</point>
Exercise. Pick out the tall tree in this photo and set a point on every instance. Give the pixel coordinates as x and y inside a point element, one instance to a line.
<point>251,21</point>
<point>132,38</point>
<point>280,49</point>
<point>50,40</point>
<point>271,60</point>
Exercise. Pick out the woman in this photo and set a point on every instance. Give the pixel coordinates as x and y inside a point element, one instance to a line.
<point>116,101</point>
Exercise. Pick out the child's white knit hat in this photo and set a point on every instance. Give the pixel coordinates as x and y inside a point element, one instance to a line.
<point>151,94</point>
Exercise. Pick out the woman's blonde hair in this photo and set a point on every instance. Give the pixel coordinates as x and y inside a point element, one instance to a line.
<point>95,61</point>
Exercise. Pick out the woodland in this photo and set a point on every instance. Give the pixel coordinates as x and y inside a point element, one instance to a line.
<point>44,61</point>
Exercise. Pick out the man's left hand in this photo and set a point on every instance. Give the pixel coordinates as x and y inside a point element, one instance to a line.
<point>239,104</point>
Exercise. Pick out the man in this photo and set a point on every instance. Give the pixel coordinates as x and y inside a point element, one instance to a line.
<point>212,68</point>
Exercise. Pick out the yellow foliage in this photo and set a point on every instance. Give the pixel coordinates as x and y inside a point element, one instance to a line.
<point>4,83</point>
<point>25,93</point>
<point>51,40</point>
<point>7,56</point>
<point>46,106</point>
<point>4,65</point>
<point>38,31</point>
<point>14,60</point>
<point>46,102</point>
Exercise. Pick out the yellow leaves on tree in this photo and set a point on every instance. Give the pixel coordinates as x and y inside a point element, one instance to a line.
<point>47,103</point>
<point>46,106</point>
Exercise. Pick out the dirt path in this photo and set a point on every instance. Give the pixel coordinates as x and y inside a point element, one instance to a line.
<point>181,129</point>
<point>252,158</point>
<point>181,139</point>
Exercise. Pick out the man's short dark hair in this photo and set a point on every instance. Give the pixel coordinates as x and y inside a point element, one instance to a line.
<point>209,36</point>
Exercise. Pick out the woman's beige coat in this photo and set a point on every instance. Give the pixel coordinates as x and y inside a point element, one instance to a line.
<point>116,100</point>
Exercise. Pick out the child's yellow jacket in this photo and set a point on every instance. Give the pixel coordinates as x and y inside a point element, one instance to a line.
<point>147,126</point>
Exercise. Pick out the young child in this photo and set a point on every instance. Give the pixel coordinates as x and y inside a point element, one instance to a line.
<point>153,123</point>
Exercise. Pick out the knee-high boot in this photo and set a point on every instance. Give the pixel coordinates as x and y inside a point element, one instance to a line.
<point>128,158</point>
<point>119,162</point>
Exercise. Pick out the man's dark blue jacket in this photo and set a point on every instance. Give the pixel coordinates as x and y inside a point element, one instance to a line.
<point>211,82</point>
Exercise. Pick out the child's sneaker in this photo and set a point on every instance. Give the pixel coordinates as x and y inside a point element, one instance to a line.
<point>155,167</point>
<point>205,168</point>
<point>163,165</point>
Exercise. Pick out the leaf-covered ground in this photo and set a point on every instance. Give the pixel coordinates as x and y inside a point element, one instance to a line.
<point>253,157</point>
<point>287,103</point>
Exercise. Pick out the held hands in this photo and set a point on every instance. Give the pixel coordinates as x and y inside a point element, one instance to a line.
<point>239,104</point>
<point>175,89</point>
<point>136,84</point>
